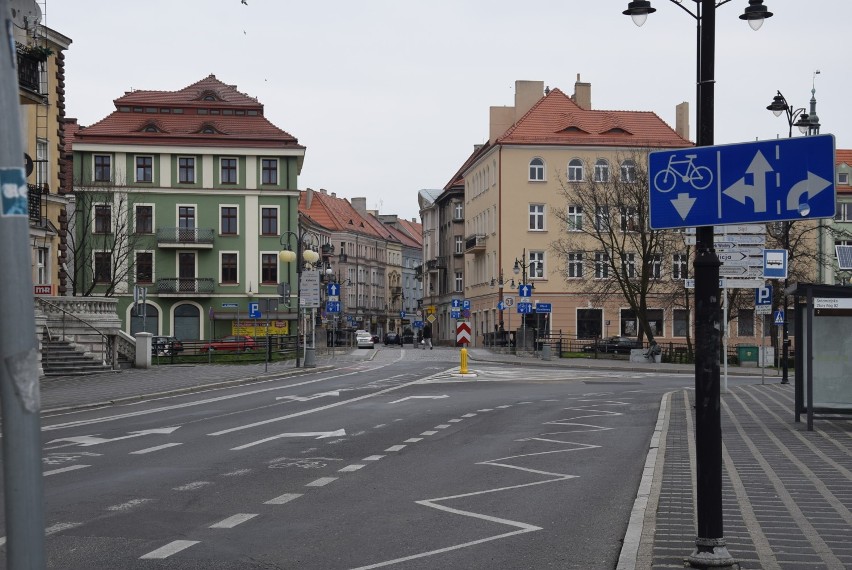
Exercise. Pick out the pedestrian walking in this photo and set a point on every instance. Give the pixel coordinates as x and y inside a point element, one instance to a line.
<point>427,337</point>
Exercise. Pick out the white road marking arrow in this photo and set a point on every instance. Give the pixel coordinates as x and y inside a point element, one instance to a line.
<point>89,440</point>
<point>316,434</point>
<point>420,397</point>
<point>306,398</point>
<point>683,205</point>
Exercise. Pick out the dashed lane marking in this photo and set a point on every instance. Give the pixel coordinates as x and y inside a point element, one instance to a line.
<point>321,482</point>
<point>373,458</point>
<point>350,468</point>
<point>281,499</point>
<point>169,549</point>
<point>233,520</point>
<point>395,448</point>
<point>64,470</point>
<point>155,448</point>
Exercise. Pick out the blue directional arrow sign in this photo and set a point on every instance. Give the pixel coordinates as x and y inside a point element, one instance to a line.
<point>455,314</point>
<point>525,308</point>
<point>332,306</point>
<point>455,303</point>
<point>764,181</point>
<point>501,305</point>
<point>333,289</point>
<point>524,290</point>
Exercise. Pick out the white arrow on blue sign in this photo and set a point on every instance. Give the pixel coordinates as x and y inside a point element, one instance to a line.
<point>764,181</point>
<point>524,290</point>
<point>455,303</point>
<point>332,306</point>
<point>333,289</point>
<point>525,308</point>
<point>254,310</point>
<point>763,296</point>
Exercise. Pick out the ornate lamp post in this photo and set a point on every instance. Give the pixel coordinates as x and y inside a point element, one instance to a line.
<point>301,254</point>
<point>710,546</point>
<point>807,124</point>
<point>521,267</point>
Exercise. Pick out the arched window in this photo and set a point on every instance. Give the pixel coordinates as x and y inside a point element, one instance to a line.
<point>575,170</point>
<point>601,170</point>
<point>537,169</point>
<point>628,171</point>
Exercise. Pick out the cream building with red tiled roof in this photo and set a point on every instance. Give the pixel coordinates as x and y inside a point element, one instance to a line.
<point>512,189</point>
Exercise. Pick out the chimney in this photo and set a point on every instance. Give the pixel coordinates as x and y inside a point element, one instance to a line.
<point>323,191</point>
<point>309,198</point>
<point>360,204</point>
<point>582,94</point>
<point>413,220</point>
<point>527,94</point>
<point>501,118</point>
<point>682,120</point>
<point>334,194</point>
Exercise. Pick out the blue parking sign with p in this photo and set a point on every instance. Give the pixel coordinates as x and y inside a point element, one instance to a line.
<point>763,296</point>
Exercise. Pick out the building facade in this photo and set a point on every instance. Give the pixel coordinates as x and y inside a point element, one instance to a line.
<point>181,198</point>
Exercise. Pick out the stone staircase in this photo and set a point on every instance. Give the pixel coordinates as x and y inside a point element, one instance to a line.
<point>59,358</point>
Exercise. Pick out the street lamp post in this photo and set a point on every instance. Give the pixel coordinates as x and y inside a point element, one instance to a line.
<point>521,266</point>
<point>300,255</point>
<point>807,124</point>
<point>710,546</point>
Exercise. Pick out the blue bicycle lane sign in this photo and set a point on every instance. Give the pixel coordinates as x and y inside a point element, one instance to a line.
<point>764,181</point>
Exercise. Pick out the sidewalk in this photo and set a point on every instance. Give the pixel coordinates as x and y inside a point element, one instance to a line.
<point>787,502</point>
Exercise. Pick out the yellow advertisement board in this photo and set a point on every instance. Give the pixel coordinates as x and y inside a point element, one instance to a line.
<point>276,328</point>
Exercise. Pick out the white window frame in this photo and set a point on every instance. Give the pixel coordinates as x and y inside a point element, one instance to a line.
<point>536,173</point>
<point>601,265</point>
<point>194,169</point>
<point>219,274</point>
<point>680,266</point>
<point>237,171</point>
<point>628,171</point>
<point>536,218</point>
<point>109,157</point>
<point>237,206</point>
<point>260,255</point>
<point>537,268</point>
<point>843,212</point>
<point>136,168</point>
<point>602,219</point>
<point>42,276</point>
<point>277,171</point>
<point>576,170</point>
<point>575,218</point>
<point>260,210</point>
<point>628,265</point>
<point>656,266</point>
<point>575,265</point>
<point>458,244</point>
<point>459,282</point>
<point>458,211</point>
<point>629,219</point>
<point>843,178</point>
<point>42,165</point>
<point>602,170</point>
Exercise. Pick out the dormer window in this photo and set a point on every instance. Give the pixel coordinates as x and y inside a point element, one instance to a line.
<point>208,131</point>
<point>151,129</point>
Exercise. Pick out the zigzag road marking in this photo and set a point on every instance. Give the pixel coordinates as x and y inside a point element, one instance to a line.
<point>505,462</point>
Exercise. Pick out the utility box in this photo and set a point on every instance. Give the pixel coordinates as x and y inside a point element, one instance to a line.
<point>747,355</point>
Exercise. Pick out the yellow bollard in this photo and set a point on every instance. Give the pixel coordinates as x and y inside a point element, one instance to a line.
<point>463,367</point>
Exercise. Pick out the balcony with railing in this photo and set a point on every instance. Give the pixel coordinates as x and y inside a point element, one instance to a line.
<point>436,264</point>
<point>34,202</point>
<point>474,243</point>
<point>29,67</point>
<point>185,238</point>
<point>418,272</point>
<point>185,286</point>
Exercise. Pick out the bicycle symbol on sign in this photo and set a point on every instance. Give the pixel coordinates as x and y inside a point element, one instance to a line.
<point>699,177</point>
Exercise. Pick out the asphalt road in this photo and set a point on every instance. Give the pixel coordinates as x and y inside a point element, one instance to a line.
<point>385,463</point>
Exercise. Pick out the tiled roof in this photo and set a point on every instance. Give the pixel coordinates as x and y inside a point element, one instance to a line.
<point>557,120</point>
<point>458,178</point>
<point>842,156</point>
<point>337,214</point>
<point>414,230</point>
<point>231,130</point>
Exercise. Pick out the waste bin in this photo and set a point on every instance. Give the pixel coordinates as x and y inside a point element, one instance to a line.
<point>545,352</point>
<point>747,354</point>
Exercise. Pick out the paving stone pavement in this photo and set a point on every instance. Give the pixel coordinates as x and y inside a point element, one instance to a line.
<point>787,492</point>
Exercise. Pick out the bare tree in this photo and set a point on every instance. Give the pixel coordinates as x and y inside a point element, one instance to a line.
<point>101,241</point>
<point>606,226</point>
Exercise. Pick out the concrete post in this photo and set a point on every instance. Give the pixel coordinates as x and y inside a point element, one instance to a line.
<point>143,350</point>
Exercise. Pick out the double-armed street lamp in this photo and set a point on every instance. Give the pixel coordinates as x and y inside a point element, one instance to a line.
<point>299,247</point>
<point>521,267</point>
<point>710,546</point>
<point>808,124</point>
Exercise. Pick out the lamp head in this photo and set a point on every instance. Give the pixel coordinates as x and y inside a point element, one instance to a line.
<point>778,105</point>
<point>638,10</point>
<point>516,269</point>
<point>804,123</point>
<point>287,255</point>
<point>755,13</point>
<point>310,256</point>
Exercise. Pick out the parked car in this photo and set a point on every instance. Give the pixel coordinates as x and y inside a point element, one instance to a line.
<point>391,338</point>
<point>165,346</point>
<point>375,338</point>
<point>614,344</point>
<point>364,339</point>
<point>230,344</point>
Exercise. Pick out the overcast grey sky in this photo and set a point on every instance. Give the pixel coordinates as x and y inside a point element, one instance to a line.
<point>389,96</point>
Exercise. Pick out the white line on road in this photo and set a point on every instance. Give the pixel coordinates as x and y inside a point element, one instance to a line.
<point>285,498</point>
<point>233,520</point>
<point>192,486</point>
<point>128,505</point>
<point>350,468</point>
<point>442,426</point>
<point>64,469</point>
<point>504,407</point>
<point>316,434</point>
<point>395,448</point>
<point>454,421</point>
<point>155,448</point>
<point>169,549</point>
<point>469,415</point>
<point>373,458</point>
<point>321,482</point>
<point>419,397</point>
<point>486,410</point>
<point>413,440</point>
<point>430,432</point>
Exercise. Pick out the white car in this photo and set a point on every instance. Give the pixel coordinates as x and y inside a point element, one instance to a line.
<point>363,339</point>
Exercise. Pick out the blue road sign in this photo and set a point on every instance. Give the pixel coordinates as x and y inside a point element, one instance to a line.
<point>466,313</point>
<point>332,306</point>
<point>524,290</point>
<point>501,305</point>
<point>333,289</point>
<point>254,310</point>
<point>763,296</point>
<point>775,263</point>
<point>418,324</point>
<point>466,304</point>
<point>455,314</point>
<point>402,314</point>
<point>543,307</point>
<point>779,317</point>
<point>764,181</point>
<point>455,303</point>
<point>525,308</point>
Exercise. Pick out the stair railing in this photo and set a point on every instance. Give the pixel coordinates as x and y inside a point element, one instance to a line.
<point>106,342</point>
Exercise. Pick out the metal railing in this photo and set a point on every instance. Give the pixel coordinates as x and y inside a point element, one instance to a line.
<point>201,236</point>
<point>199,285</point>
<point>106,344</point>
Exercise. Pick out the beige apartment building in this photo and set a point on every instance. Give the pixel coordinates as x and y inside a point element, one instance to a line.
<point>513,189</point>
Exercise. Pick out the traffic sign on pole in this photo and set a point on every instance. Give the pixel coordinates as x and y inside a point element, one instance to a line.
<point>764,181</point>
